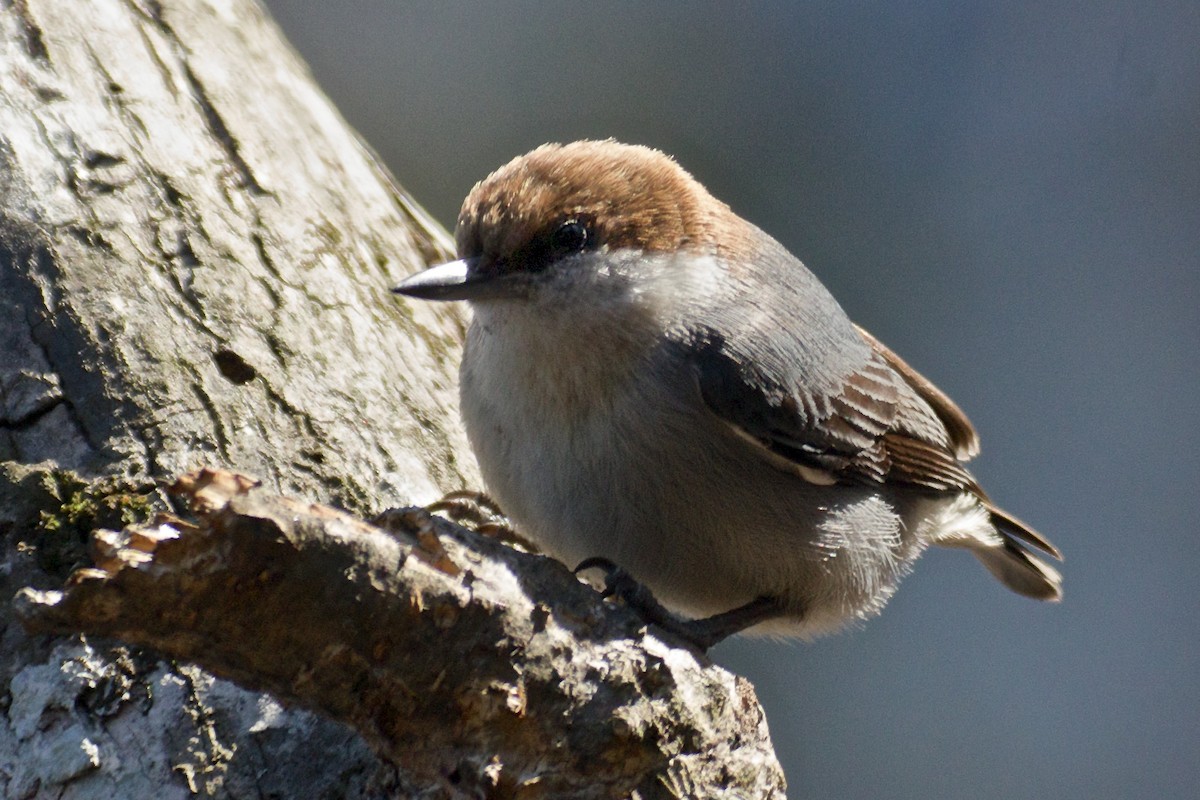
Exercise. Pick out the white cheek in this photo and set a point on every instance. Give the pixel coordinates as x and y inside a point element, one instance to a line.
<point>549,365</point>
<point>673,288</point>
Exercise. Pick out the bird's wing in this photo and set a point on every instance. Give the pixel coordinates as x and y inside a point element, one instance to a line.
<point>960,430</point>
<point>884,423</point>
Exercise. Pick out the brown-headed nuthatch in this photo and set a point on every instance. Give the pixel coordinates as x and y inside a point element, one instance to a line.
<point>652,380</point>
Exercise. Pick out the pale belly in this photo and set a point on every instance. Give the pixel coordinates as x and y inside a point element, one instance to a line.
<point>662,487</point>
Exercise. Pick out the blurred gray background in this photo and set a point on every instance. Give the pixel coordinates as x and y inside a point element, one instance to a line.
<point>1009,195</point>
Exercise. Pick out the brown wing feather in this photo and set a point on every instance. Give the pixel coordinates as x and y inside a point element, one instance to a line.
<point>886,423</point>
<point>961,431</point>
<point>925,464</point>
<point>880,426</point>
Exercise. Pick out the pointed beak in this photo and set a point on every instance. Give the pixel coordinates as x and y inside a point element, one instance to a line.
<point>463,280</point>
<point>452,281</point>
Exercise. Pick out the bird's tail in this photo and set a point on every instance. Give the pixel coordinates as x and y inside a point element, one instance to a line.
<point>1012,559</point>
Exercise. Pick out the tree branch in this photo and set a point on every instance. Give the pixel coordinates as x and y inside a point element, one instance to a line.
<point>472,665</point>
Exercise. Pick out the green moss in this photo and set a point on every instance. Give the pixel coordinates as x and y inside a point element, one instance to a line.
<point>61,533</point>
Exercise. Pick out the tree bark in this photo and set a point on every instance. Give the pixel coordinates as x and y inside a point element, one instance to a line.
<point>195,253</point>
<point>479,669</point>
<point>198,255</point>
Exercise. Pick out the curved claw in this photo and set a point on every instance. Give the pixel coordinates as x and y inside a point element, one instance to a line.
<point>596,562</point>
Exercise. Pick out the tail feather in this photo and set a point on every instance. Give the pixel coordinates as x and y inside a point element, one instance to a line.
<point>1009,524</point>
<point>1009,559</point>
<point>1020,572</point>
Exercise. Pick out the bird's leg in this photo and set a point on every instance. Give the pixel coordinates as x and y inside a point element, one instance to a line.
<point>703,633</point>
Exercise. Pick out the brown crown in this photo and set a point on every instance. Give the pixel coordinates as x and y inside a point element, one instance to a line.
<point>631,196</point>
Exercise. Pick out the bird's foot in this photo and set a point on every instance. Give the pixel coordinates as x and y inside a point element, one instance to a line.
<point>702,633</point>
<point>480,513</point>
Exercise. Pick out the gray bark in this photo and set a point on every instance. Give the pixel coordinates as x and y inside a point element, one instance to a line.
<point>479,669</point>
<point>195,253</point>
<point>199,254</point>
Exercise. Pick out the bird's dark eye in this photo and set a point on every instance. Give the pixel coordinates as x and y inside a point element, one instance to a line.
<point>570,237</point>
<point>573,235</point>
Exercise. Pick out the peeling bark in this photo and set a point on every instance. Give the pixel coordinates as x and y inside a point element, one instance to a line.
<point>477,668</point>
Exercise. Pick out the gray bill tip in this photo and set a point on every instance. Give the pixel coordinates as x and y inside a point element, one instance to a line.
<point>448,281</point>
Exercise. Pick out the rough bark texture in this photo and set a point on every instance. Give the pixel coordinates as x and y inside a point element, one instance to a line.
<point>198,253</point>
<point>479,669</point>
<point>195,253</point>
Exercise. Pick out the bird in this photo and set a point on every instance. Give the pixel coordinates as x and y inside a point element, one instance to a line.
<point>655,386</point>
